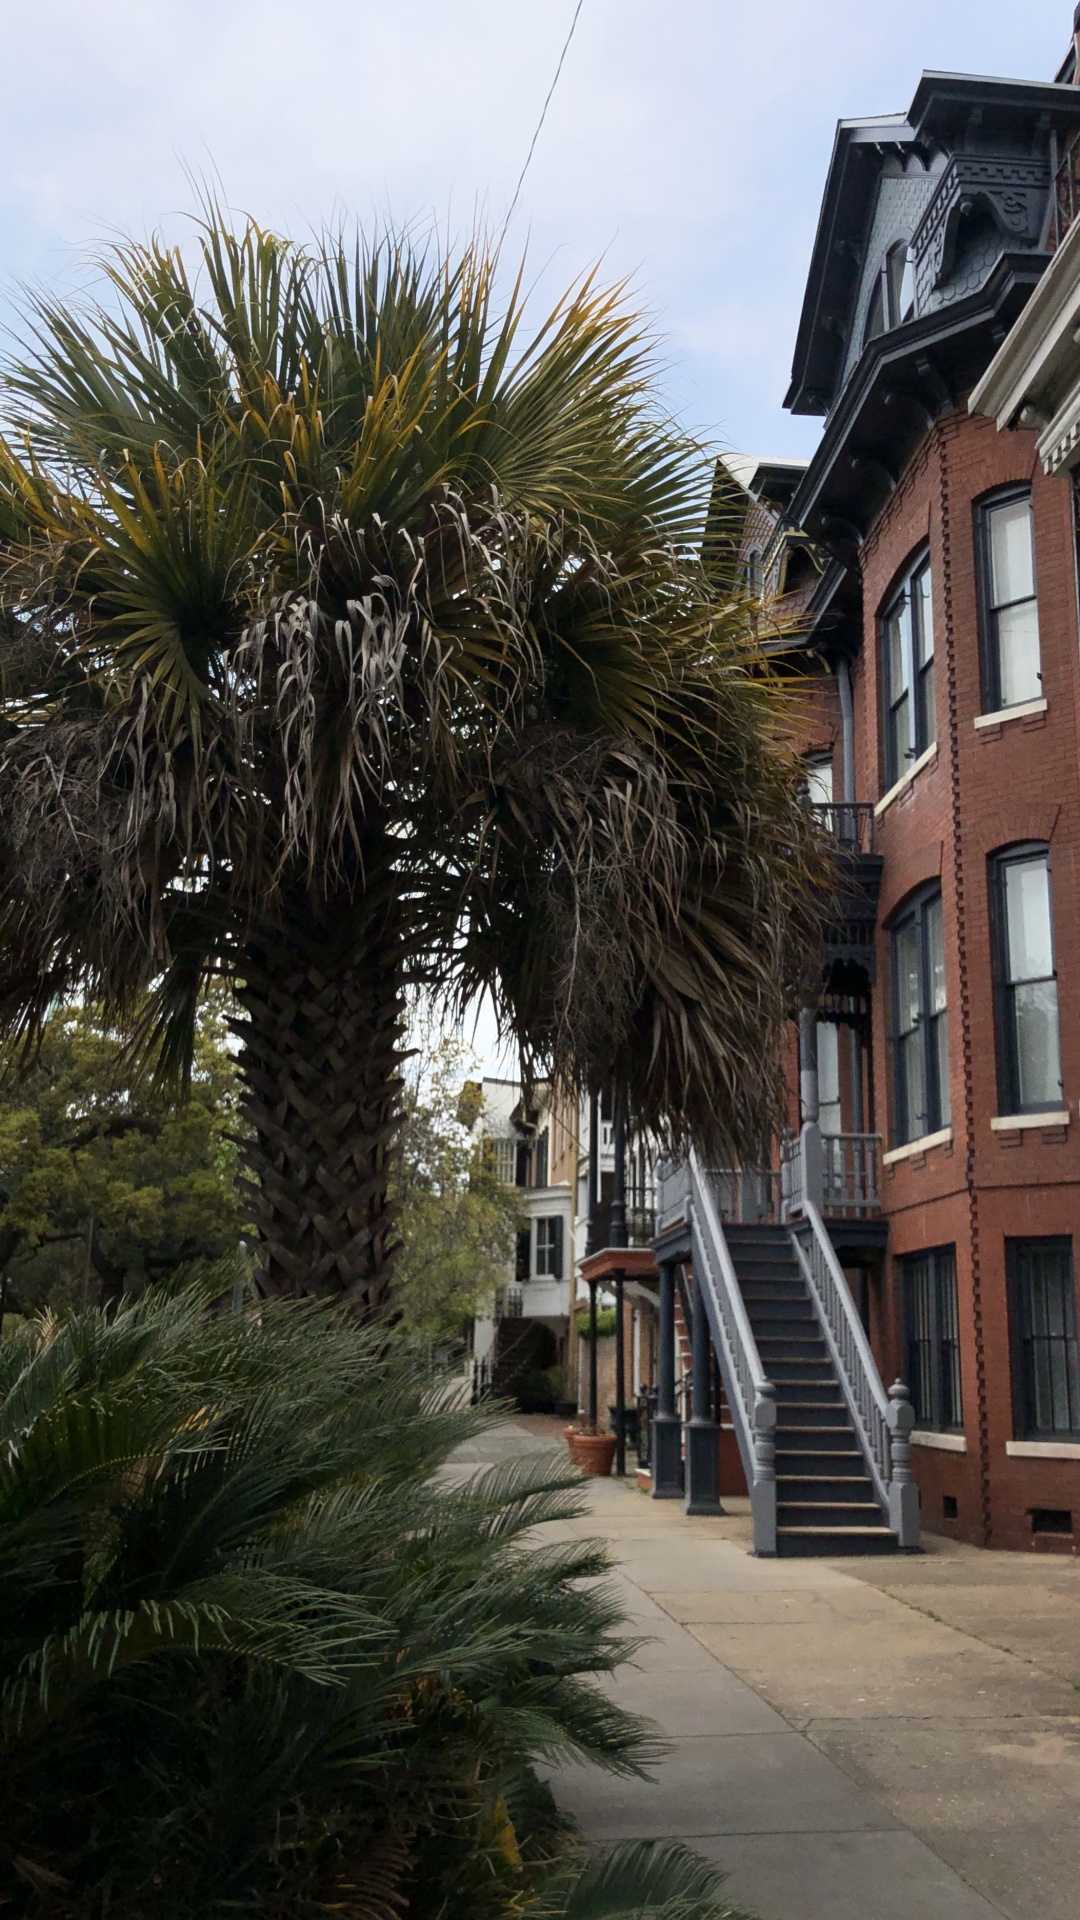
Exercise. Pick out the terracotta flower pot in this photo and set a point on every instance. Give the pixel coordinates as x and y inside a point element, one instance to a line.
<point>594,1454</point>
<point>573,1436</point>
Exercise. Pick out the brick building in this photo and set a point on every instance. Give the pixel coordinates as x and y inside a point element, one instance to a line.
<point>942,724</point>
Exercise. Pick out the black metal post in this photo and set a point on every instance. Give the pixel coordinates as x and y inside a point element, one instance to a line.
<point>620,1381</point>
<point>667,1434</point>
<point>702,1433</point>
<point>592,1354</point>
<point>592,1236</point>
<point>617,1215</point>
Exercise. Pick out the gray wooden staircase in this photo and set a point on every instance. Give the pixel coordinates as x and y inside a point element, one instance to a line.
<point>826,1501</point>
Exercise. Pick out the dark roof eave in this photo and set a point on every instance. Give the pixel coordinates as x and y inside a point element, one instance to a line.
<point>892,356</point>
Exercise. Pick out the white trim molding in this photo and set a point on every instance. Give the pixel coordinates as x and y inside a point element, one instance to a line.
<point>912,1147</point>
<point>1015,1122</point>
<point>925,759</point>
<point>1020,712</point>
<point>1037,365</point>
<point>941,1442</point>
<point>1041,1449</point>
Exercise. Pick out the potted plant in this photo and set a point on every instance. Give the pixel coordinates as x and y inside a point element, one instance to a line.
<point>591,1449</point>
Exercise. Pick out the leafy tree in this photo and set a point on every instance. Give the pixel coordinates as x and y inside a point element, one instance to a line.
<point>352,639</point>
<point>260,1654</point>
<point>458,1221</point>
<point>105,1183</point>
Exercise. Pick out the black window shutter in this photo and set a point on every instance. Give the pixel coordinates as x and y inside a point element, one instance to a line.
<point>558,1246</point>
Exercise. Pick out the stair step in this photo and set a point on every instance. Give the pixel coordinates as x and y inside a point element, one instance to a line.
<point>834,1542</point>
<point>770,1304</point>
<point>821,1464</point>
<point>854,1489</point>
<point>803,1392</point>
<point>779,1367</point>
<point>784,1333</point>
<point>796,1412</point>
<point>828,1513</point>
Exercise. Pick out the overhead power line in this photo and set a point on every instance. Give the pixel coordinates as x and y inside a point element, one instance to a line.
<point>543,114</point>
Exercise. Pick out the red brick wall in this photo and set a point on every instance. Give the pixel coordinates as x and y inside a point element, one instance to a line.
<point>986,788</point>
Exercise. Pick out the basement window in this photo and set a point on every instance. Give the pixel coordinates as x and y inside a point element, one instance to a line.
<point>949,1509</point>
<point>1051,1520</point>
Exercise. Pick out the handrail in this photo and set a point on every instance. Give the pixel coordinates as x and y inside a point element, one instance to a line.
<point>750,1395</point>
<point>883,1420</point>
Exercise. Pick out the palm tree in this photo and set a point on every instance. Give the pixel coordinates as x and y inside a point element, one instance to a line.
<point>353,641</point>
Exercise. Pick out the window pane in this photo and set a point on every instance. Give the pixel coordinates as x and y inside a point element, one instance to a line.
<point>1012,559</point>
<point>1018,654</point>
<point>927,732</point>
<point>913,1122</point>
<point>899,738</point>
<point>920,1362</point>
<point>941,1048</point>
<point>828,1060</point>
<point>898,629</point>
<point>819,782</point>
<point>908,998</point>
<point>935,937</point>
<point>1027,916</point>
<point>924,615</point>
<point>1038,1054</point>
<point>952,1414</point>
<point>1046,1305</point>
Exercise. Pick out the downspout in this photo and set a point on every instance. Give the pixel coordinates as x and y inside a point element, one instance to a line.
<point>850,831</point>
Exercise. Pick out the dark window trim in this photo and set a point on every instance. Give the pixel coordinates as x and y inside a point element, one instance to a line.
<point>989,664</point>
<point>899,591</point>
<point>914,908</point>
<point>1024,1427</point>
<point>1008,1066</point>
<point>934,1422</point>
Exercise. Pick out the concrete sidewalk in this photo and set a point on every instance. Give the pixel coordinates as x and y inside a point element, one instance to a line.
<point>887,1739</point>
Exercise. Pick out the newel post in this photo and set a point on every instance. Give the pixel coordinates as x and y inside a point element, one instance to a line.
<point>702,1432</point>
<point>763,1490</point>
<point>903,1492</point>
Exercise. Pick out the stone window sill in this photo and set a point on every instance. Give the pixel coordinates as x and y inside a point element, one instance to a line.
<point>941,1442</point>
<point>1013,1122</point>
<point>926,759</point>
<point>1023,711</point>
<point>912,1147</point>
<point>1043,1449</point>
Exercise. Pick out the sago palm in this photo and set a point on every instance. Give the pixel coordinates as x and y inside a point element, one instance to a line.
<point>261,1653</point>
<point>353,640</point>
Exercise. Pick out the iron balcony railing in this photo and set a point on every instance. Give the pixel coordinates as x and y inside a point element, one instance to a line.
<point>838,1172</point>
<point>851,822</point>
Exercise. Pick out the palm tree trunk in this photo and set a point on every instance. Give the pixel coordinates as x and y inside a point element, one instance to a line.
<point>322,1095</point>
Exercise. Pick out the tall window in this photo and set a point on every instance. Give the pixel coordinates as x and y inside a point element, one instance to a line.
<point>920,1024</point>
<point>549,1239</point>
<point>1043,1304</point>
<point>1029,1064</point>
<point>540,1160</point>
<point>828,1066</point>
<point>908,662</point>
<point>1010,610</point>
<point>932,1338</point>
<point>818,776</point>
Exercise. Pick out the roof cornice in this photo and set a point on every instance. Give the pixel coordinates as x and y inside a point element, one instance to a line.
<point>1038,357</point>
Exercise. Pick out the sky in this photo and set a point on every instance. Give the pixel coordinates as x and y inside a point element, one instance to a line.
<point>685,146</point>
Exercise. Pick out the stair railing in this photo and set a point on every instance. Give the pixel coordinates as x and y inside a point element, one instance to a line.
<point>750,1396</point>
<point>882,1420</point>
